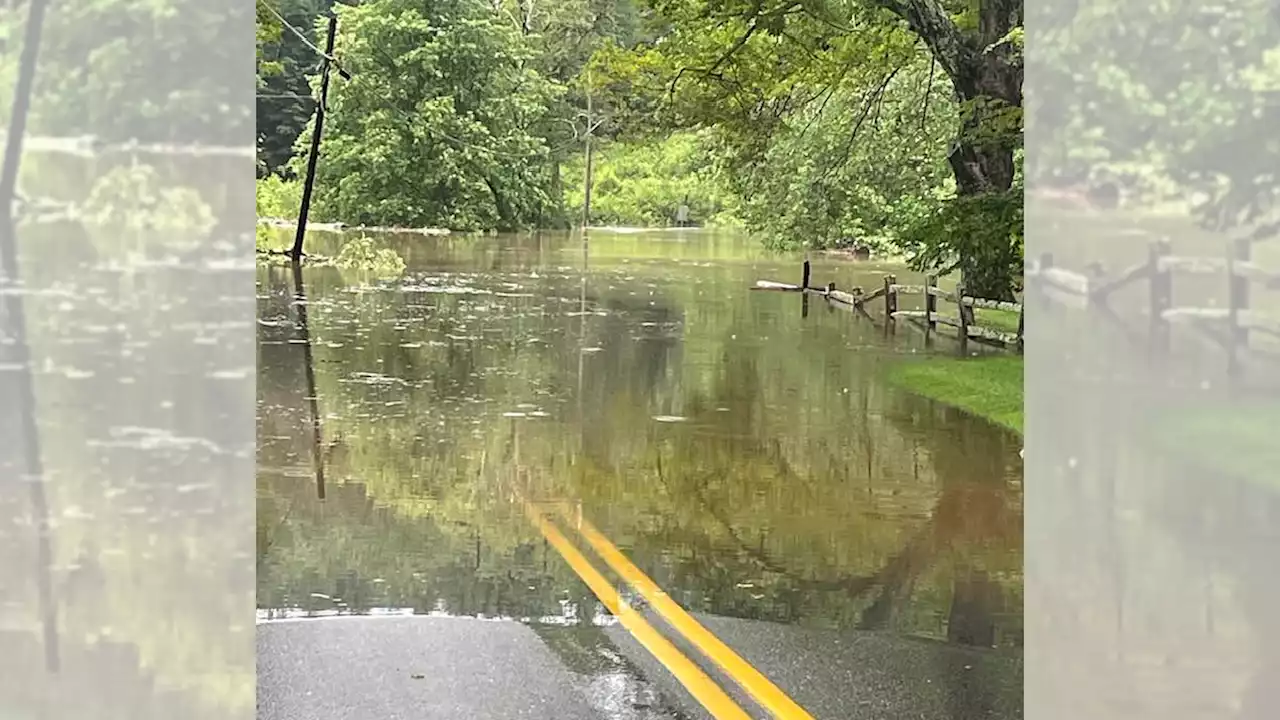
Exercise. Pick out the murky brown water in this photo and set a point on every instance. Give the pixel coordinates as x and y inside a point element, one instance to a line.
<point>752,461</point>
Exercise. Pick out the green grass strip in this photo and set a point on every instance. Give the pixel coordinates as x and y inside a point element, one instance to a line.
<point>1238,441</point>
<point>990,387</point>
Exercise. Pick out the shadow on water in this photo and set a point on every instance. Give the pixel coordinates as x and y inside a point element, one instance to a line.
<point>755,464</point>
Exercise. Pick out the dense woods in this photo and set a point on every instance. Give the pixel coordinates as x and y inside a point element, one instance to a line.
<point>896,124</point>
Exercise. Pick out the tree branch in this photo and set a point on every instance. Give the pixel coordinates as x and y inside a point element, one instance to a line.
<point>735,47</point>
<point>929,20</point>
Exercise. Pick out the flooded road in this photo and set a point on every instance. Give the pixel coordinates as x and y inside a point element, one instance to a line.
<point>859,546</point>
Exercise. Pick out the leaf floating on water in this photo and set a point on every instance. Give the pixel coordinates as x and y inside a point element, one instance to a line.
<point>669,418</point>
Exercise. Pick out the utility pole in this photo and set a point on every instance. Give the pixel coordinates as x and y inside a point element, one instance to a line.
<point>586,202</point>
<point>309,184</point>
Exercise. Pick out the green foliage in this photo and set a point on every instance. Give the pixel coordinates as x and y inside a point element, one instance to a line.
<point>836,122</point>
<point>644,184</point>
<point>285,103</point>
<point>979,235</point>
<point>1179,120</point>
<point>278,198</point>
<point>94,61</point>
<point>437,127</point>
<point>863,166</point>
<point>134,197</point>
<point>813,124</point>
<point>361,257</point>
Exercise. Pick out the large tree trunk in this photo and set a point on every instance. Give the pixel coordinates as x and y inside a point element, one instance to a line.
<point>988,83</point>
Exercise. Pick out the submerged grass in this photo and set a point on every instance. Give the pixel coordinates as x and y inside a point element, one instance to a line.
<point>990,387</point>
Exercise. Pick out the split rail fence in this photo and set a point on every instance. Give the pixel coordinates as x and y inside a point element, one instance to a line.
<point>965,322</point>
<point>1231,327</point>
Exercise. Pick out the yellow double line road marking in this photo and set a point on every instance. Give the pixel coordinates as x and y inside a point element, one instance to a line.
<point>770,697</point>
<point>703,688</point>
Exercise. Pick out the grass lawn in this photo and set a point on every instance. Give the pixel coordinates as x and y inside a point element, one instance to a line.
<point>987,386</point>
<point>1002,320</point>
<point>1239,441</point>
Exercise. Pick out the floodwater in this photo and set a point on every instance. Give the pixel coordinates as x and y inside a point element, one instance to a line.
<point>126,373</point>
<point>745,452</point>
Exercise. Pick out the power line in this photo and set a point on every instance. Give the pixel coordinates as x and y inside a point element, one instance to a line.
<point>341,71</point>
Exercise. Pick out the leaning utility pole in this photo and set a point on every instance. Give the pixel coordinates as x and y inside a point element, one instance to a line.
<point>586,195</point>
<point>307,186</point>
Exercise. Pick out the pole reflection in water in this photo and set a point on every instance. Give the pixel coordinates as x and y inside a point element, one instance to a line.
<point>13,322</point>
<point>582,317</point>
<point>19,396</point>
<point>313,401</point>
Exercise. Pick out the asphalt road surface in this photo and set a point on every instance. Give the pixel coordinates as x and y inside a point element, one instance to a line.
<point>425,667</point>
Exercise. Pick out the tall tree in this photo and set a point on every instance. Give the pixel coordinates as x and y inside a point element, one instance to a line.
<point>439,124</point>
<point>753,66</point>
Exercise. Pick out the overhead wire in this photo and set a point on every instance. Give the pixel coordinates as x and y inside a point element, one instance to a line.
<point>305,40</point>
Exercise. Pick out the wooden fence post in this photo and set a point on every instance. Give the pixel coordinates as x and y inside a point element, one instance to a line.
<point>1022,316</point>
<point>964,318</point>
<point>1046,263</point>
<point>930,302</point>
<point>1161,295</point>
<point>1240,250</point>
<point>804,278</point>
<point>1237,299</point>
<point>890,296</point>
<point>968,312</point>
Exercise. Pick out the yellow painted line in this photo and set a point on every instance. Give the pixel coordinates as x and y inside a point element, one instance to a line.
<point>770,696</point>
<point>702,687</point>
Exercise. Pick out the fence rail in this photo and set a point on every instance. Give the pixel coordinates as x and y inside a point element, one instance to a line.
<point>965,322</point>
<point>1231,328</point>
